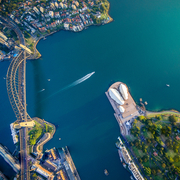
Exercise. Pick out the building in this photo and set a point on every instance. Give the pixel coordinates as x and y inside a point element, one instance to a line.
<point>51,14</point>
<point>56,4</point>
<point>3,36</point>
<point>73,7</point>
<point>50,165</point>
<point>53,154</point>
<point>42,9</point>
<point>52,5</point>
<point>124,91</point>
<point>42,171</point>
<point>115,95</point>
<point>66,26</point>
<point>76,3</point>
<point>61,5</point>
<point>36,10</point>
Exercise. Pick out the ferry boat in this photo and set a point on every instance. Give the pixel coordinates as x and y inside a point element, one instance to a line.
<point>106,172</point>
<point>124,165</point>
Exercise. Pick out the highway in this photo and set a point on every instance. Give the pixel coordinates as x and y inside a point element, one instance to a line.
<point>16,88</point>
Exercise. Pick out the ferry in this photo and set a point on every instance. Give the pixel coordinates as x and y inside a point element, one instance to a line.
<point>124,165</point>
<point>106,172</point>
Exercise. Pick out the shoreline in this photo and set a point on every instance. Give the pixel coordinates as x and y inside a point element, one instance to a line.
<point>62,29</point>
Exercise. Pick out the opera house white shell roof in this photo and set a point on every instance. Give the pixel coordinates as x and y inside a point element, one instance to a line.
<point>124,91</point>
<point>121,109</point>
<point>115,95</point>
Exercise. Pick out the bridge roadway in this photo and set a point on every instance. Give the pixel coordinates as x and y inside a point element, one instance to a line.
<point>9,159</point>
<point>16,87</point>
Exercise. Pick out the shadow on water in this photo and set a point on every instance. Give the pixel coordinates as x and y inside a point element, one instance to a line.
<point>90,132</point>
<point>38,84</point>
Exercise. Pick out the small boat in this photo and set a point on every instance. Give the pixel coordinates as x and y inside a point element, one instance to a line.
<point>145,103</point>
<point>44,38</point>
<point>59,138</point>
<point>124,165</point>
<point>42,90</point>
<point>48,79</point>
<point>131,178</point>
<point>106,172</point>
<point>167,85</point>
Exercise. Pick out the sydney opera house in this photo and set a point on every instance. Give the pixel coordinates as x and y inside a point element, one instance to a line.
<point>123,104</point>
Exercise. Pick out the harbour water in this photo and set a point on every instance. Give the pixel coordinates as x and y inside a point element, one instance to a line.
<point>140,48</point>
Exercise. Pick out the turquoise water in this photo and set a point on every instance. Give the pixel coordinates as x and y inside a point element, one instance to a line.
<point>140,48</point>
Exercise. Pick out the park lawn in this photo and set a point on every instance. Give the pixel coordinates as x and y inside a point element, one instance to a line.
<point>177,164</point>
<point>139,124</point>
<point>138,152</point>
<point>146,164</point>
<point>130,138</point>
<point>163,138</point>
<point>147,134</point>
<point>158,177</point>
<point>171,153</point>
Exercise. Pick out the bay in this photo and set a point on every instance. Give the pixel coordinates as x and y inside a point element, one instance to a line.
<point>140,48</point>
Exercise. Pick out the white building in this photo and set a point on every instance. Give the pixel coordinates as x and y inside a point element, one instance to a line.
<point>51,14</point>
<point>124,91</point>
<point>115,95</point>
<point>42,9</point>
<point>76,3</point>
<point>56,4</point>
<point>66,26</point>
<point>73,7</point>
<point>36,10</point>
<point>61,5</point>
<point>121,109</point>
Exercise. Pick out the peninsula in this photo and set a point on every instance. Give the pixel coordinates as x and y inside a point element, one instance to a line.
<point>38,19</point>
<point>149,145</point>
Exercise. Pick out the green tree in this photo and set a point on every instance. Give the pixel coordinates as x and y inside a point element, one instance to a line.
<point>173,119</point>
<point>163,165</point>
<point>148,171</point>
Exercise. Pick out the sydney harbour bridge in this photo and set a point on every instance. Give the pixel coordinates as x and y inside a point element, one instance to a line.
<point>16,88</point>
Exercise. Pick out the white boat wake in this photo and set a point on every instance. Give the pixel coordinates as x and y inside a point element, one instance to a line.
<point>42,90</point>
<point>75,83</point>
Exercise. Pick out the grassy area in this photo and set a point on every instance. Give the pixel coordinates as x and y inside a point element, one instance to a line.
<point>158,177</point>
<point>147,134</point>
<point>155,146</point>
<point>138,152</point>
<point>130,138</point>
<point>35,133</point>
<point>171,153</point>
